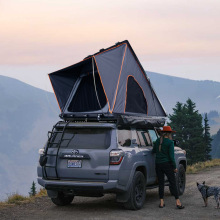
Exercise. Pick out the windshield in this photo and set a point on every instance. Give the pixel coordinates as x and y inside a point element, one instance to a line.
<point>83,138</point>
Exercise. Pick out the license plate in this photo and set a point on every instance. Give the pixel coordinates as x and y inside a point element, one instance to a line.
<point>74,163</point>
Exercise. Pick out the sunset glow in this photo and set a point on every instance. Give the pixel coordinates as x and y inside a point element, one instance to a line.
<point>54,34</point>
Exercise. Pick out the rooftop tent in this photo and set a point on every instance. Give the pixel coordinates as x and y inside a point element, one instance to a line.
<point>110,81</point>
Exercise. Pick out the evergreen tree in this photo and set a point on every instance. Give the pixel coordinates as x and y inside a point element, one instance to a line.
<point>216,145</point>
<point>187,123</point>
<point>207,138</point>
<point>33,189</point>
<point>177,121</point>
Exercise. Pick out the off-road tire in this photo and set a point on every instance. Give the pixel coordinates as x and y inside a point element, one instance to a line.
<point>180,180</point>
<point>137,192</point>
<point>62,200</point>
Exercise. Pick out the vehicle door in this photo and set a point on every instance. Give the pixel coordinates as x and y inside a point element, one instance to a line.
<point>146,146</point>
<point>153,137</point>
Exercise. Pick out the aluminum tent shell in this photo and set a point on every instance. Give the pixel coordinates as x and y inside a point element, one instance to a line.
<point>122,78</point>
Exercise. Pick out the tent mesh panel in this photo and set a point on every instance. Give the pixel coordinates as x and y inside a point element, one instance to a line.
<point>85,98</point>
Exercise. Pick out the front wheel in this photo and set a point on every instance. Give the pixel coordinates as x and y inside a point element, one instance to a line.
<point>62,200</point>
<point>180,180</point>
<point>137,192</point>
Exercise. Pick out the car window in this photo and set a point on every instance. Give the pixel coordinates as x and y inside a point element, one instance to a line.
<point>146,138</point>
<point>82,138</point>
<point>140,139</point>
<point>143,138</point>
<point>124,137</point>
<point>153,135</point>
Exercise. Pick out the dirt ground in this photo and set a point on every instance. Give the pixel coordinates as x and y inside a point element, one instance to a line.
<point>107,208</point>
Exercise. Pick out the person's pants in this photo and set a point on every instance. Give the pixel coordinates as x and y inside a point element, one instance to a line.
<point>167,169</point>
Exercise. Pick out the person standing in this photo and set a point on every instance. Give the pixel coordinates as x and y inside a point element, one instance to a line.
<point>165,164</point>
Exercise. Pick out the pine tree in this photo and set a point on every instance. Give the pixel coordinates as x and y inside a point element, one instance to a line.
<point>187,122</point>
<point>178,121</point>
<point>33,189</point>
<point>216,145</point>
<point>207,138</point>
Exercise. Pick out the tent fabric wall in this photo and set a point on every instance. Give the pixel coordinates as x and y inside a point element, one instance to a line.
<point>109,66</point>
<point>116,93</point>
<point>62,85</point>
<point>63,80</point>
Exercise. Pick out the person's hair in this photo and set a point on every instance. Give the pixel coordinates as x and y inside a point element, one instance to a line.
<point>162,135</point>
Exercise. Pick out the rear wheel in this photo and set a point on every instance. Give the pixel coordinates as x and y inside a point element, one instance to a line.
<point>137,192</point>
<point>62,200</point>
<point>180,180</point>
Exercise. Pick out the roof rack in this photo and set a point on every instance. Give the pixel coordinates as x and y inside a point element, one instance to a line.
<point>120,120</point>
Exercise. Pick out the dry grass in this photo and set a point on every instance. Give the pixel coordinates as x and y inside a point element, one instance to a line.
<point>18,199</point>
<point>15,199</point>
<point>42,192</point>
<point>195,168</point>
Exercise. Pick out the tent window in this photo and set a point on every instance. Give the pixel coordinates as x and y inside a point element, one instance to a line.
<point>85,98</point>
<point>135,100</point>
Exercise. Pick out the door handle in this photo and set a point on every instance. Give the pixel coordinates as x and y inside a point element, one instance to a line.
<point>145,154</point>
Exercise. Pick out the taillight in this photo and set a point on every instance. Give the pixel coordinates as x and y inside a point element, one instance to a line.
<point>116,156</point>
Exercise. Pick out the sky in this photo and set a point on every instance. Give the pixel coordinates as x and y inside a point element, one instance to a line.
<point>174,37</point>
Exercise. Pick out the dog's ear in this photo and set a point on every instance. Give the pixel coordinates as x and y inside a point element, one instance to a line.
<point>203,183</point>
<point>197,183</point>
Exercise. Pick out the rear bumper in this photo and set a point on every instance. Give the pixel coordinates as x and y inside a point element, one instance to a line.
<point>78,186</point>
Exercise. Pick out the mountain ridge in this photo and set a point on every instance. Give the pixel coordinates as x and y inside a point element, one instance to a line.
<point>172,89</point>
<point>25,117</point>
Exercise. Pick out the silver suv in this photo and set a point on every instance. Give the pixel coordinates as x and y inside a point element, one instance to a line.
<point>99,157</point>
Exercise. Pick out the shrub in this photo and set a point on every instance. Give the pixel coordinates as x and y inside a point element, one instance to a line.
<point>16,199</point>
<point>195,168</point>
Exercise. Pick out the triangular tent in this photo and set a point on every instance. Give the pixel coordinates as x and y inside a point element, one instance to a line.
<point>111,81</point>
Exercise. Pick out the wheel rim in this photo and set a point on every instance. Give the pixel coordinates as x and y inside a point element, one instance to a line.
<point>139,191</point>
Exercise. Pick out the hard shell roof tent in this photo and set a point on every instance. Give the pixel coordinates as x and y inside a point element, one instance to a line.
<point>110,82</point>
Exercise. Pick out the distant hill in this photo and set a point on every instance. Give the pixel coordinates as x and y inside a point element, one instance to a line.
<point>206,95</point>
<point>26,114</point>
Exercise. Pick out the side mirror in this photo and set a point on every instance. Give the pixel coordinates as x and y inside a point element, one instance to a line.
<point>176,142</point>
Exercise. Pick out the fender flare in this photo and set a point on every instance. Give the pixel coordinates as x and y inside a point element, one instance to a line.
<point>124,196</point>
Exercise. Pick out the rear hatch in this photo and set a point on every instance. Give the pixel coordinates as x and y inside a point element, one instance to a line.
<point>83,152</point>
